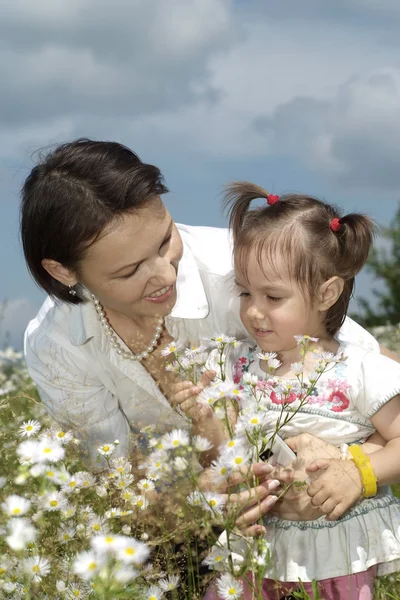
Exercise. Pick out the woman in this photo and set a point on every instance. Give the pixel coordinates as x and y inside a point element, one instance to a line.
<point>123,282</point>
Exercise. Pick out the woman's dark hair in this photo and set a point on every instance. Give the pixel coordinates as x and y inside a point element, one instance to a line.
<point>297,229</point>
<point>69,198</point>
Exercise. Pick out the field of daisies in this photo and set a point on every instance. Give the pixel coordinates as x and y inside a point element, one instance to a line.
<point>66,533</point>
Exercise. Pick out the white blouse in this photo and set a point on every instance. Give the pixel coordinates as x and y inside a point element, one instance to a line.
<point>87,387</point>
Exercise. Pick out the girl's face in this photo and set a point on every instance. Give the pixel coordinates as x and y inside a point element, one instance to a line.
<point>273,308</point>
<point>132,268</point>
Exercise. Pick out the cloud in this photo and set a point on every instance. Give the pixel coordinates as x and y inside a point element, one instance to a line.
<point>63,60</point>
<point>353,137</point>
<point>14,316</point>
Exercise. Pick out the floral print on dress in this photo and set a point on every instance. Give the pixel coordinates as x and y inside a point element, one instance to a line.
<point>329,395</point>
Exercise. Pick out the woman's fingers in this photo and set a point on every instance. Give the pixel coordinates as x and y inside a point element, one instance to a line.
<point>206,378</point>
<point>246,473</point>
<point>251,515</point>
<point>247,498</point>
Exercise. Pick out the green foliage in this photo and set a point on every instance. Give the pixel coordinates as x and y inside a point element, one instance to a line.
<point>384,263</point>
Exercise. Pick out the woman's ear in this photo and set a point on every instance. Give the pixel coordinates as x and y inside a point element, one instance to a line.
<point>329,293</point>
<point>59,272</point>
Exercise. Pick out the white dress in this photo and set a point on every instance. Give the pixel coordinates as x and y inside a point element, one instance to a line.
<point>339,411</point>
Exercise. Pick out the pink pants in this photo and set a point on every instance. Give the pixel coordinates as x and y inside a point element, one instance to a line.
<point>349,587</point>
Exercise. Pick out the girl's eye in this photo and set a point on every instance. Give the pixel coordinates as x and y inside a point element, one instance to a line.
<point>166,240</point>
<point>243,294</point>
<point>130,274</point>
<point>273,298</point>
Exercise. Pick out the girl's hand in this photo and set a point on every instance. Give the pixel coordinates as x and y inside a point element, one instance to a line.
<point>336,486</point>
<point>184,398</point>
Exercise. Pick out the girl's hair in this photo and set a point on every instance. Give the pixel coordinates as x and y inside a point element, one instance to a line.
<point>298,230</point>
<point>72,195</point>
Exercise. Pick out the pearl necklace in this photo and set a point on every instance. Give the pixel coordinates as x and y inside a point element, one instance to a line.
<point>113,338</point>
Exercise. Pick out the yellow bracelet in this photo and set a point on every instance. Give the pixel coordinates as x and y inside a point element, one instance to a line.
<point>368,476</point>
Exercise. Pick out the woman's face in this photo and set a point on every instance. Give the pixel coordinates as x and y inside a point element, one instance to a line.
<point>132,268</point>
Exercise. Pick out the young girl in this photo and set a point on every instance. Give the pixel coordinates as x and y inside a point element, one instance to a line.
<point>295,263</point>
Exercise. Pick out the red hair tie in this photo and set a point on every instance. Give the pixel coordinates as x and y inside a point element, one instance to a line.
<point>271,199</point>
<point>335,225</point>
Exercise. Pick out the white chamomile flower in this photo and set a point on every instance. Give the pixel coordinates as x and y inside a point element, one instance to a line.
<point>22,533</point>
<point>49,451</point>
<point>101,491</point>
<point>85,480</point>
<point>146,485</point>
<point>140,502</point>
<point>36,567</point>
<point>61,586</point>
<point>201,444</point>
<point>27,451</point>
<point>169,583</point>
<point>29,428</point>
<point>71,484</point>
<point>213,502</point>
<point>98,525</point>
<point>172,348</point>
<point>302,339</point>
<point>15,506</point>
<point>68,511</point>
<point>219,470</point>
<point>133,551</point>
<point>121,465</point>
<point>127,495</point>
<point>66,534</point>
<point>153,593</point>
<point>53,501</point>
<point>176,439</point>
<point>105,543</point>
<point>229,588</point>
<point>195,498</point>
<point>297,368</point>
<point>61,436</point>
<point>106,449</point>
<point>217,341</point>
<point>239,457</point>
<point>180,463</point>
<point>87,564</point>
<point>250,379</point>
<point>216,557</point>
<point>273,364</point>
<point>112,513</point>
<point>123,482</point>
<point>3,481</point>
<point>78,591</point>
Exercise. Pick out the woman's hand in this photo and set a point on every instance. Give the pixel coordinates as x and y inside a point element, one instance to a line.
<point>252,504</point>
<point>336,488</point>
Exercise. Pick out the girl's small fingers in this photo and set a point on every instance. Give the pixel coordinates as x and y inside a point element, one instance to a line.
<point>182,385</point>
<point>254,513</point>
<point>337,512</point>
<point>254,531</point>
<point>184,396</point>
<point>315,487</point>
<point>319,498</point>
<point>328,506</point>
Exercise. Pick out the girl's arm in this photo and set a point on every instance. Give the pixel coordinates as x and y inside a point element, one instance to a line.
<point>385,462</point>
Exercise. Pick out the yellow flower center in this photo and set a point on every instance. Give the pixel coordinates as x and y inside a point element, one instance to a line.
<point>96,527</point>
<point>47,450</point>
<point>92,566</point>
<point>109,539</point>
<point>139,503</point>
<point>65,537</point>
<point>72,484</point>
<point>232,591</point>
<point>60,434</point>
<point>106,448</point>
<point>2,570</point>
<point>254,421</point>
<point>130,551</point>
<point>175,443</point>
<point>50,473</point>
<point>35,569</point>
<point>29,428</point>
<point>213,503</point>
<point>231,443</point>
<point>16,511</point>
<point>53,502</point>
<point>218,558</point>
<point>238,460</point>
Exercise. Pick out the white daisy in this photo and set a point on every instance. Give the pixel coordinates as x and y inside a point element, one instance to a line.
<point>106,449</point>
<point>87,564</point>
<point>216,557</point>
<point>201,444</point>
<point>98,525</point>
<point>180,463</point>
<point>146,485</point>
<point>250,379</point>
<point>15,506</point>
<point>176,438</point>
<point>52,501</point>
<point>213,502</point>
<point>49,451</point>
<point>36,567</point>
<point>153,593</point>
<point>121,465</point>
<point>66,534</point>
<point>85,480</point>
<point>229,588</point>
<point>140,502</point>
<point>68,511</point>
<point>172,348</point>
<point>123,482</point>
<point>195,498</point>
<point>170,583</point>
<point>219,470</point>
<point>105,543</point>
<point>125,574</point>
<point>297,368</point>
<point>133,551</point>
<point>302,339</point>
<point>113,512</point>
<point>27,451</point>
<point>239,457</point>
<point>218,341</point>
<point>29,428</point>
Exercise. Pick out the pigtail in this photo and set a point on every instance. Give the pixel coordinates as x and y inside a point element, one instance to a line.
<point>237,199</point>
<point>356,237</point>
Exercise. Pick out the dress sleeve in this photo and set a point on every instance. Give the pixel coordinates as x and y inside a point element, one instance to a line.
<point>352,332</point>
<point>77,400</point>
<point>380,383</point>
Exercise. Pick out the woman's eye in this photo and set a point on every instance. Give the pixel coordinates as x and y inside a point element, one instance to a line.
<point>243,294</point>
<point>274,298</point>
<point>166,240</point>
<point>130,274</point>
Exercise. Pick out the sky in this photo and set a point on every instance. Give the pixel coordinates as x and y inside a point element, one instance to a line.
<point>294,96</point>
